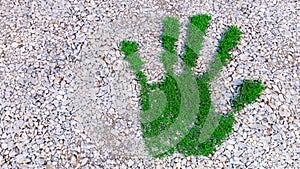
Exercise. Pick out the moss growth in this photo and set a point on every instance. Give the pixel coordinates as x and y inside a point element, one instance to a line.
<point>197,30</point>
<point>229,42</point>
<point>249,92</point>
<point>168,116</point>
<point>131,49</point>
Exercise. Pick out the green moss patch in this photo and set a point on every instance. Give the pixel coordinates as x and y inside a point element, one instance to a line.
<point>249,92</point>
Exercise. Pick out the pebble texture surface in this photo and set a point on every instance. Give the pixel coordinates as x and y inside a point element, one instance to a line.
<point>69,100</point>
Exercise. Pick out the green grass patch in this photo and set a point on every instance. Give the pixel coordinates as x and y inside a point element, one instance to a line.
<point>190,144</point>
<point>169,38</point>
<point>131,49</point>
<point>224,129</point>
<point>228,43</point>
<point>168,116</point>
<point>202,22</point>
<point>146,88</point>
<point>249,92</point>
<point>197,32</point>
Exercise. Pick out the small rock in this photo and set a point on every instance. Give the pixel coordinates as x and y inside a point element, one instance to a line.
<point>14,44</point>
<point>26,161</point>
<point>57,80</point>
<point>19,158</point>
<point>281,98</point>
<point>1,160</point>
<point>117,65</point>
<point>84,161</point>
<point>284,112</point>
<point>183,162</point>
<point>230,147</point>
<point>123,166</point>
<point>73,160</point>
<point>4,146</point>
<point>130,163</point>
<point>59,97</point>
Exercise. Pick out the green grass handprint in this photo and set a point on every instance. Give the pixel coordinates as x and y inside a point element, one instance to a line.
<point>178,113</point>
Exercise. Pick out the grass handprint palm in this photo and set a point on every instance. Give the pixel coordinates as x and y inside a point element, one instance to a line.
<point>178,113</point>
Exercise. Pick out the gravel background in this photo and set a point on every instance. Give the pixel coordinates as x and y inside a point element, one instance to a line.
<point>69,100</point>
